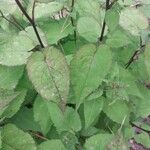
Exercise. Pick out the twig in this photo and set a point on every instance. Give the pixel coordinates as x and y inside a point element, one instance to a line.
<point>72,21</point>
<point>104,23</point>
<point>135,55</point>
<point>11,22</point>
<point>33,10</point>
<point>15,20</point>
<point>31,21</point>
<point>108,6</point>
<point>38,135</point>
<point>134,125</point>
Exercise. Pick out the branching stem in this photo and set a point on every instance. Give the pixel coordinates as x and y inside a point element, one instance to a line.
<point>31,20</point>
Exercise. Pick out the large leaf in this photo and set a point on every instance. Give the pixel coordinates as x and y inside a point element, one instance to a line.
<point>40,114</point>
<point>98,142</point>
<point>14,49</point>
<point>88,28</point>
<point>15,139</point>
<point>118,111</point>
<point>147,58</point>
<point>67,121</point>
<point>10,76</point>
<point>49,74</point>
<point>52,145</point>
<point>133,20</point>
<point>88,68</point>
<point>92,110</point>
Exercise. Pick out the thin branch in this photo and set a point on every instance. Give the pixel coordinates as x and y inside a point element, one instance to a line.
<point>134,125</point>
<point>15,20</point>
<point>108,6</point>
<point>31,21</point>
<point>33,10</point>
<point>11,22</point>
<point>38,135</point>
<point>135,54</point>
<point>72,21</point>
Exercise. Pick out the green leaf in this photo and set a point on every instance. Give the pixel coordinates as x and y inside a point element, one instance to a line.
<point>14,138</point>
<point>14,49</point>
<point>69,140</point>
<point>49,73</point>
<point>88,68</point>
<point>56,30</point>
<point>30,33</point>
<point>67,121</point>
<point>7,7</point>
<point>118,143</point>
<point>143,139</point>
<point>52,144</point>
<point>98,142</point>
<point>10,102</point>
<point>10,76</point>
<point>0,140</point>
<point>118,111</point>
<point>41,116</point>
<point>89,8</point>
<point>24,120</point>
<point>118,38</point>
<point>92,110</point>
<point>88,28</point>
<point>133,20</point>
<point>43,10</point>
<point>112,18</point>
<point>143,104</point>
<point>14,105</point>
<point>147,56</point>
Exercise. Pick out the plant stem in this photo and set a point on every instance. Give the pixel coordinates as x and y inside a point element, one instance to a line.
<point>72,21</point>
<point>31,21</point>
<point>104,23</point>
<point>108,6</point>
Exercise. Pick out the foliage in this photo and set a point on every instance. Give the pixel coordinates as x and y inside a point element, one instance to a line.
<point>74,74</point>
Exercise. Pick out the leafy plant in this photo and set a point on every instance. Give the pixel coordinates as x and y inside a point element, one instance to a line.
<point>74,74</point>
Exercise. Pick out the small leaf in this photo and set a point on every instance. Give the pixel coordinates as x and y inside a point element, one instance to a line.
<point>40,114</point>
<point>92,110</point>
<point>91,33</point>
<point>117,111</point>
<point>14,138</point>
<point>49,73</point>
<point>67,121</point>
<point>14,105</point>
<point>112,18</point>
<point>52,145</point>
<point>147,56</point>
<point>133,20</point>
<point>56,30</point>
<point>98,142</point>
<point>10,76</point>
<point>14,49</point>
<point>43,10</point>
<point>24,120</point>
<point>143,139</point>
<point>88,68</point>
